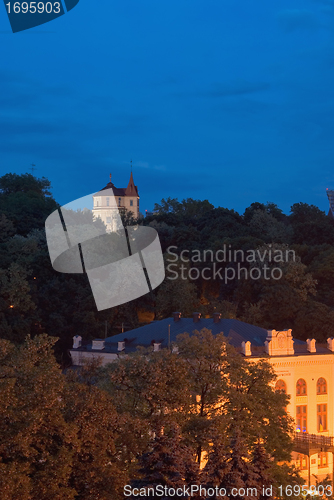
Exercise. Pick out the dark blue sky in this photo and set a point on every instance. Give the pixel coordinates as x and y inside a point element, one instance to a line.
<point>226,100</point>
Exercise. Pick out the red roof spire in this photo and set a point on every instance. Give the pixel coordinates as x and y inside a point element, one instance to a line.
<point>131,190</point>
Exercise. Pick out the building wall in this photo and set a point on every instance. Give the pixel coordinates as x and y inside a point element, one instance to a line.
<point>79,357</point>
<point>309,367</point>
<point>108,208</point>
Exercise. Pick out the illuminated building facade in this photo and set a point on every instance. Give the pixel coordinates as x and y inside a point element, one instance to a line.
<point>305,371</point>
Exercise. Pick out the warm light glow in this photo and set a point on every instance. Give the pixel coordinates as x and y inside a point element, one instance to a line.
<point>11,307</point>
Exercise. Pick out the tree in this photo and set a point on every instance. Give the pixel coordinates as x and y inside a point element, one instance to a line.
<point>169,463</point>
<point>234,470</point>
<point>35,440</point>
<point>233,393</point>
<point>187,208</point>
<point>264,225</point>
<point>149,385</point>
<point>311,225</point>
<point>96,468</point>
<point>282,289</point>
<point>26,201</point>
<point>176,292</point>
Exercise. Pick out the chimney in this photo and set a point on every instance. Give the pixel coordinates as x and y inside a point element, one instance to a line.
<point>121,346</point>
<point>216,317</point>
<point>330,344</point>
<point>98,344</point>
<point>177,316</point>
<point>246,348</point>
<point>311,345</point>
<point>196,317</point>
<point>77,341</point>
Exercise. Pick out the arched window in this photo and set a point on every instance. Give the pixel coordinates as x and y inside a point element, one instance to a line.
<point>280,386</point>
<point>321,386</point>
<point>301,387</point>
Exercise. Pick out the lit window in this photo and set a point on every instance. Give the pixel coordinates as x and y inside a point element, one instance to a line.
<point>301,387</point>
<point>280,386</point>
<point>321,386</point>
<point>301,462</point>
<point>107,202</point>
<point>322,417</point>
<point>322,460</point>
<point>301,418</point>
<point>131,203</point>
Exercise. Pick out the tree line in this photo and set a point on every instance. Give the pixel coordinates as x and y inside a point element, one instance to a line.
<point>35,299</point>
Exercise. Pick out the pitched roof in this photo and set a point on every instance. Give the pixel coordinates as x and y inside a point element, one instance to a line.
<point>157,332</point>
<point>234,330</point>
<point>130,190</point>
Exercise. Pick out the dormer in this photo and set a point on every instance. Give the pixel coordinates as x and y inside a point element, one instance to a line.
<point>279,343</point>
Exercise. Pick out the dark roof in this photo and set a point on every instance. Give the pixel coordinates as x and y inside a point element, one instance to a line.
<point>116,191</point>
<point>130,190</point>
<point>234,330</point>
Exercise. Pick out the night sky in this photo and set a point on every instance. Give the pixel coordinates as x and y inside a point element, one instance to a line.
<point>226,100</point>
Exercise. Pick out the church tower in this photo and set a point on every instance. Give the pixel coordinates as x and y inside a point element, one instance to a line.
<point>110,201</point>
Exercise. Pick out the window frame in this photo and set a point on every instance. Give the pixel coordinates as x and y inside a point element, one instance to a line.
<point>302,417</point>
<point>300,386</point>
<point>322,419</point>
<point>321,384</point>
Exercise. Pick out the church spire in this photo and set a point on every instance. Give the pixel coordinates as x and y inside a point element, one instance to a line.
<point>131,190</point>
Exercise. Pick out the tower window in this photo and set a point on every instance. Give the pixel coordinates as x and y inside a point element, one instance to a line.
<point>119,201</point>
<point>131,203</point>
<point>107,202</point>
